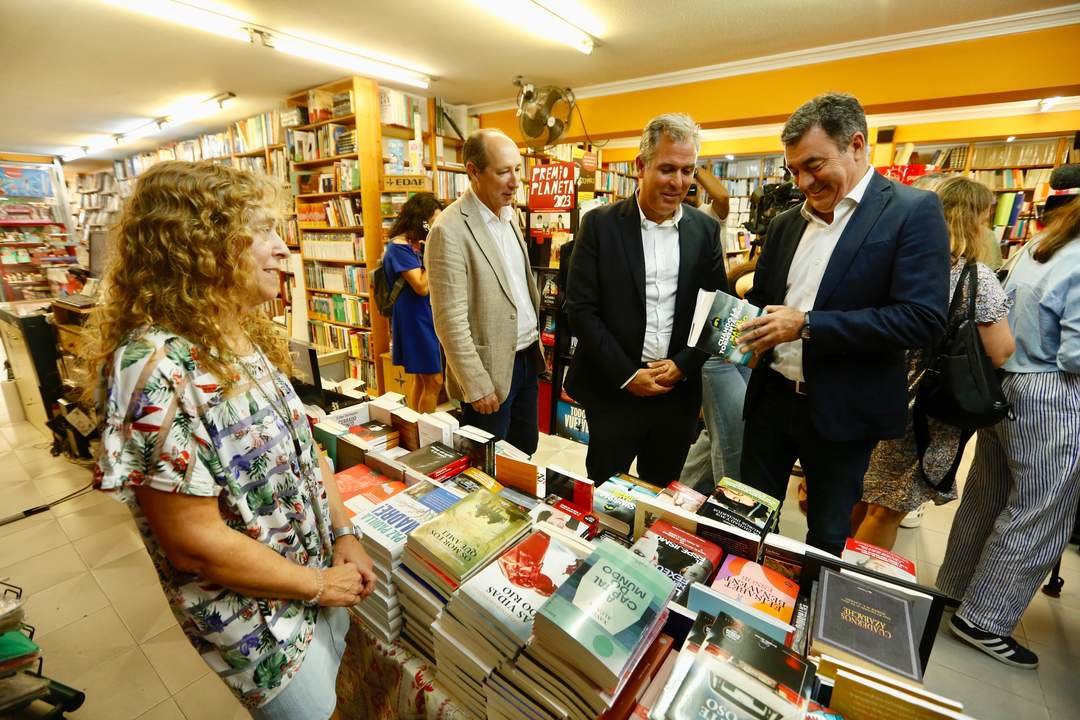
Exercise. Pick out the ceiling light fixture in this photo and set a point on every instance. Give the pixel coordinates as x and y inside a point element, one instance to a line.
<point>1010,138</point>
<point>176,117</point>
<point>1046,103</point>
<point>236,28</point>
<point>729,156</point>
<point>534,17</point>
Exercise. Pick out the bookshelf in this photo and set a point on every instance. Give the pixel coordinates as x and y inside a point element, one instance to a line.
<point>36,245</point>
<point>1017,171</point>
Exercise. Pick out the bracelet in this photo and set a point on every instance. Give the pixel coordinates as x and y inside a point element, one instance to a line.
<point>320,582</point>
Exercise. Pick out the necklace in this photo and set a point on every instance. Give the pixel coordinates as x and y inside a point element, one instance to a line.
<point>282,410</point>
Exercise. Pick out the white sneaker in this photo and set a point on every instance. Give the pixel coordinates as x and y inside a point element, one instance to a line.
<point>914,518</point>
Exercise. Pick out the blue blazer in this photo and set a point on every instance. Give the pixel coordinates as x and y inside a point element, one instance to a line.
<point>885,290</point>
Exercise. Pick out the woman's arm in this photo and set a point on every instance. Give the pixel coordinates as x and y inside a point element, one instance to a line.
<point>998,341</point>
<point>347,549</point>
<point>196,540</point>
<point>417,279</point>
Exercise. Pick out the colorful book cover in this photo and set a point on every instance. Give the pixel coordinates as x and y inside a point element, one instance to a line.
<point>362,488</point>
<point>514,587</point>
<point>757,587</point>
<point>683,557</point>
<point>615,501</point>
<point>717,325</point>
<point>464,537</point>
<point>389,524</point>
<point>740,505</point>
<point>878,559</point>
<point>717,689</point>
<point>560,513</point>
<point>609,603</point>
<point>376,434</point>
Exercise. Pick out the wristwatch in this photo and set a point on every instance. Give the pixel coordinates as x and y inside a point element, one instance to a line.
<point>340,532</point>
<point>804,332</point>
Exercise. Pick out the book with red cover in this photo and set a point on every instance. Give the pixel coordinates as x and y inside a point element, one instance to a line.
<point>757,587</point>
<point>562,513</point>
<point>683,557</point>
<point>878,559</point>
<point>362,488</point>
<point>573,488</point>
<point>376,435</point>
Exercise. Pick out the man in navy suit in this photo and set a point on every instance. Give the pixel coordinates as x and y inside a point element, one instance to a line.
<point>850,280</point>
<point>630,294</point>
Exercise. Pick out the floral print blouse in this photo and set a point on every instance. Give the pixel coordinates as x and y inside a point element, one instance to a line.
<point>171,426</point>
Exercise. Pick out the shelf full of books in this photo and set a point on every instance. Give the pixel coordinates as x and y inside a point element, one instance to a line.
<point>532,587</point>
<point>36,247</point>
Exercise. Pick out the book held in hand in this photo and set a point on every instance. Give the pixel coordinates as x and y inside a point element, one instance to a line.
<point>717,325</point>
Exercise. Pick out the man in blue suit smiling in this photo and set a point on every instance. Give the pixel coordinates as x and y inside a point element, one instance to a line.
<point>850,280</point>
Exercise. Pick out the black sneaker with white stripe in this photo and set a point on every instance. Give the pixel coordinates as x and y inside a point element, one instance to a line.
<point>999,647</point>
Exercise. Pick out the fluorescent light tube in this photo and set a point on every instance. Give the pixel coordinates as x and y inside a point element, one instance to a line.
<point>182,13</point>
<point>539,20</point>
<point>357,64</point>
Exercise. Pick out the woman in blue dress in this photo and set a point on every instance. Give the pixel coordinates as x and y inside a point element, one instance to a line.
<point>414,345</point>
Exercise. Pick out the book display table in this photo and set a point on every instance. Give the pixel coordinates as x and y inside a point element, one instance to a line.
<point>383,681</point>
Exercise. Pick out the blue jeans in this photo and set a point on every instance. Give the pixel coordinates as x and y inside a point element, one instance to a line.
<point>717,452</point>
<point>517,419</point>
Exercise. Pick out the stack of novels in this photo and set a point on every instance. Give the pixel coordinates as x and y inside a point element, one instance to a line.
<point>374,435</point>
<point>490,618</point>
<point>756,595</point>
<point>447,550</point>
<point>406,421</point>
<point>435,461</point>
<point>588,638</point>
<point>437,427</point>
<point>478,445</point>
<point>615,503</point>
<point>683,557</point>
<point>384,532</point>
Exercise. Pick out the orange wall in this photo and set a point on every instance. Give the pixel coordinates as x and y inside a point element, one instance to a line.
<point>1012,67</point>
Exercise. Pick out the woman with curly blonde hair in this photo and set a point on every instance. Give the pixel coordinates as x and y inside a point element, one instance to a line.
<point>205,440</point>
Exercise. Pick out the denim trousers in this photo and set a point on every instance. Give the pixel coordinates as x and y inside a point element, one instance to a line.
<point>718,450</point>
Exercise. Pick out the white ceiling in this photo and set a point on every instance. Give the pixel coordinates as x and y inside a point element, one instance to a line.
<point>76,69</point>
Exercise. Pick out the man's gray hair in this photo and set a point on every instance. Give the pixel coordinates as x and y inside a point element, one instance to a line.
<point>475,150</point>
<point>840,115</point>
<point>680,127</point>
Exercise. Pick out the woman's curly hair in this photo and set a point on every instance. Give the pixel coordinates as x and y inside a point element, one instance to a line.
<point>179,259</point>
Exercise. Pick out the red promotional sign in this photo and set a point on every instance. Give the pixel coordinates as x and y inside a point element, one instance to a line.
<point>551,187</point>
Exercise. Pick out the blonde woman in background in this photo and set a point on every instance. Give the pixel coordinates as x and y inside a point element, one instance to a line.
<point>205,440</point>
<point>894,484</point>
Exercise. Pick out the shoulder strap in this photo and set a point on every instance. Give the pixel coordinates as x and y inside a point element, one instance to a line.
<point>972,271</point>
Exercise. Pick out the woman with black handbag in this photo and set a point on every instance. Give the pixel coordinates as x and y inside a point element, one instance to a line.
<point>906,473</point>
<point>1020,499</point>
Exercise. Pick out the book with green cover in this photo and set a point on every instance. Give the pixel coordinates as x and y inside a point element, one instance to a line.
<point>717,324</point>
<point>599,616</point>
<point>465,537</point>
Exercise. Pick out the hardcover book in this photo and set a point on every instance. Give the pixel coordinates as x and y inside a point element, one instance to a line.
<point>603,611</point>
<point>462,538</point>
<point>717,325</point>
<point>757,587</point>
<point>856,618</point>
<point>683,557</point>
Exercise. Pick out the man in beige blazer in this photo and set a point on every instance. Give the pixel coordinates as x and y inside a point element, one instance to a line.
<point>484,298</point>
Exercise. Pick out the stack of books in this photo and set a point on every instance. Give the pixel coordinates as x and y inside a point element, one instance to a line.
<point>588,639</point>
<point>362,488</point>
<point>490,618</point>
<point>683,557</point>
<point>435,462</point>
<point>615,503</point>
<point>447,550</point>
<point>478,445</point>
<point>384,531</point>
<point>756,595</point>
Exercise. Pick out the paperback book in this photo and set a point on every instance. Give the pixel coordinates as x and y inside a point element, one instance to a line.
<point>683,557</point>
<point>742,506</point>
<point>717,326</point>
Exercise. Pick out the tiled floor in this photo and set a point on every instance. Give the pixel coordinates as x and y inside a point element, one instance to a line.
<point>104,626</point>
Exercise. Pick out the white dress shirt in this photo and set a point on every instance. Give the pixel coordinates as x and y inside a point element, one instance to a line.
<point>514,262</point>
<point>812,256</point>
<point>660,244</point>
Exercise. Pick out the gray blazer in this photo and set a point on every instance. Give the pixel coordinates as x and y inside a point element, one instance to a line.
<point>472,303</point>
